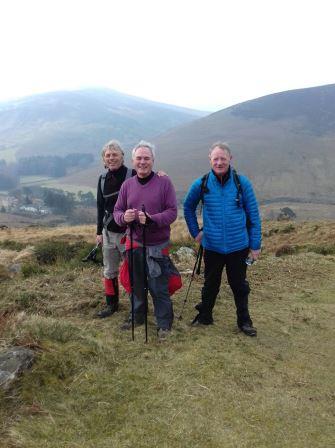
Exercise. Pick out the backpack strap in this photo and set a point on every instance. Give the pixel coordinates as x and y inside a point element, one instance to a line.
<point>129,174</point>
<point>109,216</point>
<point>237,182</point>
<point>203,188</point>
<point>102,182</point>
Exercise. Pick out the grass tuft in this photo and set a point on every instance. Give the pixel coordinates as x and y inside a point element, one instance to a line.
<point>52,251</point>
<point>323,249</point>
<point>12,245</point>
<point>30,269</point>
<point>285,249</point>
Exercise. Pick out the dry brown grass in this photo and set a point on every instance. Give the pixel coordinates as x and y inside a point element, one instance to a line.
<point>31,235</point>
<point>301,234</point>
<point>275,234</point>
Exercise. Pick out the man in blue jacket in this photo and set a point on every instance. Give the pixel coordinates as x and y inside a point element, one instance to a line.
<point>231,234</point>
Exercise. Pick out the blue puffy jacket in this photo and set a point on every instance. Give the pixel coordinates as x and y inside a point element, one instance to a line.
<point>224,220</point>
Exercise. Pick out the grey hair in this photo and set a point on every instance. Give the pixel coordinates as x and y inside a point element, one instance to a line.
<point>221,145</point>
<point>144,144</point>
<point>112,145</point>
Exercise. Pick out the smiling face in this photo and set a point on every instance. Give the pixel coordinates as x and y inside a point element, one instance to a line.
<point>143,162</point>
<point>113,159</point>
<point>219,160</point>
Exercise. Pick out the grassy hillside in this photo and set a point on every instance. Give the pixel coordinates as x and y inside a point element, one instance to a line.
<point>205,387</point>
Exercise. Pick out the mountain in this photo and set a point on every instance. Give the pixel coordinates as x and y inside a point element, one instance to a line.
<point>285,142</point>
<point>83,120</point>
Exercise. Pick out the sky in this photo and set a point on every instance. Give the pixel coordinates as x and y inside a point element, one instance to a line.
<point>202,54</point>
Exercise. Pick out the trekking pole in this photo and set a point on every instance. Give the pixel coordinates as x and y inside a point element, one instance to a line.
<point>196,269</point>
<point>131,272</point>
<point>92,256</point>
<point>145,280</point>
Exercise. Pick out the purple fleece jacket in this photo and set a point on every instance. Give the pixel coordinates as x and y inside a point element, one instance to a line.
<point>159,198</point>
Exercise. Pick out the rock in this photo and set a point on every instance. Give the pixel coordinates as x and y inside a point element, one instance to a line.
<point>12,363</point>
<point>185,255</point>
<point>286,214</point>
<point>14,268</point>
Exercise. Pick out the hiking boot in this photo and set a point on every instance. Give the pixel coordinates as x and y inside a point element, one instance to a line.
<point>248,329</point>
<point>107,311</point>
<point>163,333</point>
<point>199,322</point>
<point>112,305</point>
<point>127,325</point>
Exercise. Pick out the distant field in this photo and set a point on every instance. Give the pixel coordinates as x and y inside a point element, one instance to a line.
<point>32,180</point>
<point>51,182</point>
<point>54,183</point>
<point>8,155</point>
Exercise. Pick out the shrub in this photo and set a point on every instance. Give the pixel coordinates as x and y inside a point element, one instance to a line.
<point>50,252</point>
<point>12,245</point>
<point>28,300</point>
<point>270,232</point>
<point>323,249</point>
<point>286,249</point>
<point>29,269</point>
<point>288,229</point>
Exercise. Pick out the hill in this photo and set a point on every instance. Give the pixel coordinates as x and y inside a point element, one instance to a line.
<point>284,142</point>
<point>82,121</point>
<point>204,387</point>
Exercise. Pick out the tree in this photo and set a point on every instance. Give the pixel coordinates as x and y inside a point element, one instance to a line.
<point>87,199</point>
<point>59,201</point>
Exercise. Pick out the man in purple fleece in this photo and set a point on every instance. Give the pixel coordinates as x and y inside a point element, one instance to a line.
<point>158,196</point>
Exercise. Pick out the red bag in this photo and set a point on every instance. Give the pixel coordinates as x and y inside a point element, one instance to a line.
<point>175,281</point>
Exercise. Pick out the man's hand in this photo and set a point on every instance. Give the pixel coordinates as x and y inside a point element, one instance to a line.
<point>99,239</point>
<point>130,215</point>
<point>143,217</point>
<point>161,173</point>
<point>254,254</point>
<point>198,238</point>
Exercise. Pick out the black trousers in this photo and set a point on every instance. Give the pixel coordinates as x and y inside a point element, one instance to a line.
<point>236,270</point>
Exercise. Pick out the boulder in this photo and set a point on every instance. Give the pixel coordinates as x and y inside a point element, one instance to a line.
<point>185,255</point>
<point>12,363</point>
